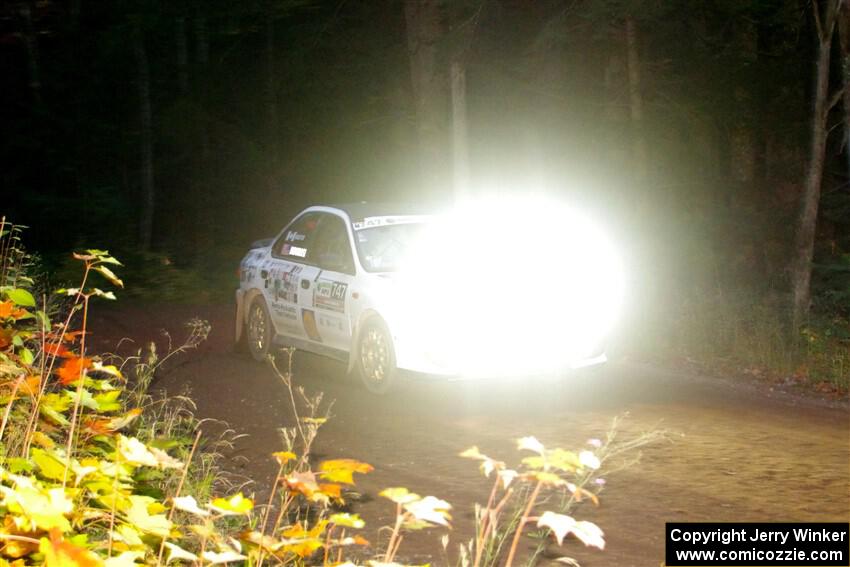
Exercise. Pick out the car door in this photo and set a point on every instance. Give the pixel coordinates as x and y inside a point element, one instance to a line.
<point>325,305</point>
<point>289,274</point>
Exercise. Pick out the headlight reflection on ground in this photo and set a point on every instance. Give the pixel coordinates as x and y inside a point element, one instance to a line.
<point>512,286</point>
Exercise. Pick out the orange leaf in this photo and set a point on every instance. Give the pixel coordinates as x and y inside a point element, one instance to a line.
<point>72,369</point>
<point>303,548</point>
<point>5,337</point>
<point>57,349</point>
<point>31,385</point>
<point>303,483</point>
<point>342,470</point>
<point>332,490</point>
<point>60,553</point>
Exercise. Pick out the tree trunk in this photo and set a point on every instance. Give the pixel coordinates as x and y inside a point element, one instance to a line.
<point>146,136</point>
<point>801,272</point>
<point>460,144</point>
<point>423,33</point>
<point>844,38</point>
<point>202,177</point>
<point>639,157</point>
<point>742,142</point>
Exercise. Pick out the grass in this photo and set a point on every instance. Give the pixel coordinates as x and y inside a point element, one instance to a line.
<point>746,334</point>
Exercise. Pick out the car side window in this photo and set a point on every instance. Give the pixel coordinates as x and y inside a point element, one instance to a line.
<point>331,246</point>
<point>297,241</point>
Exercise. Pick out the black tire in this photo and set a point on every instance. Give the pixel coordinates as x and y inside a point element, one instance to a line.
<point>376,364</point>
<point>259,333</point>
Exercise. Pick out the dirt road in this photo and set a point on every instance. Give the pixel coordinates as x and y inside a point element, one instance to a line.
<point>734,452</point>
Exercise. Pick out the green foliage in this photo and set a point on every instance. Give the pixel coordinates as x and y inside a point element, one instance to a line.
<point>745,334</point>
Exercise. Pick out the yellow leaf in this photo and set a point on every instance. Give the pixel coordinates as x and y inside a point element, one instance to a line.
<point>342,470</point>
<point>43,509</point>
<point>284,456</point>
<point>303,548</point>
<point>139,517</point>
<point>43,440</point>
<point>347,520</point>
<point>49,466</point>
<point>399,495</point>
<point>235,505</point>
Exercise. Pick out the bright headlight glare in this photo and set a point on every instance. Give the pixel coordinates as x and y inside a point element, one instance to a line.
<point>512,286</point>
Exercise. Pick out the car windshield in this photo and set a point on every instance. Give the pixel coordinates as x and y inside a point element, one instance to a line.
<point>383,247</point>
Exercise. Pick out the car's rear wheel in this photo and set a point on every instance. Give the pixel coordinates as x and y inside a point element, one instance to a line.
<point>258,330</point>
<point>376,364</point>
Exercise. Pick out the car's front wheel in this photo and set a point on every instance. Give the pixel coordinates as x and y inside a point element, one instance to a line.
<point>258,330</point>
<point>376,357</point>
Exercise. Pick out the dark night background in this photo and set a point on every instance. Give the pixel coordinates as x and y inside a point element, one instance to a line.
<point>685,126</point>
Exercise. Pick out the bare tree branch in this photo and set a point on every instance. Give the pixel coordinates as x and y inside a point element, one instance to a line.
<point>836,96</point>
<point>816,12</point>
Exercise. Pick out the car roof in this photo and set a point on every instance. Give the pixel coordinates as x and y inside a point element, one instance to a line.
<point>359,211</point>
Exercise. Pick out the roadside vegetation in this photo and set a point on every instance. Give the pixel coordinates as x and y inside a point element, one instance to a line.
<point>742,335</point>
<point>94,470</point>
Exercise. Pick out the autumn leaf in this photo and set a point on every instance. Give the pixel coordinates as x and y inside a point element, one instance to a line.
<point>57,349</point>
<point>342,470</point>
<point>283,457</point>
<point>31,385</point>
<point>109,275</point>
<point>304,547</point>
<point>135,452</point>
<point>299,531</point>
<point>347,520</point>
<point>61,553</point>
<point>356,540</point>
<point>488,465</point>
<point>547,478</point>
<point>530,444</point>
<point>37,507</point>
<point>110,425</point>
<point>142,518</point>
<point>177,552</point>
<point>566,461</point>
<point>72,369</point>
<point>9,311</point>
<point>562,525</point>
<point>507,476</point>
<point>430,509</point>
<point>331,491</point>
<point>303,483</point>
<point>235,505</point>
<point>229,556</point>
<point>49,465</point>
<point>189,504</point>
<point>399,495</point>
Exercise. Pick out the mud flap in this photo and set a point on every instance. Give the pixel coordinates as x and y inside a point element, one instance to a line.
<point>240,314</point>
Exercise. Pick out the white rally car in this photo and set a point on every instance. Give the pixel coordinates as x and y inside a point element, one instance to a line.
<point>384,287</point>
